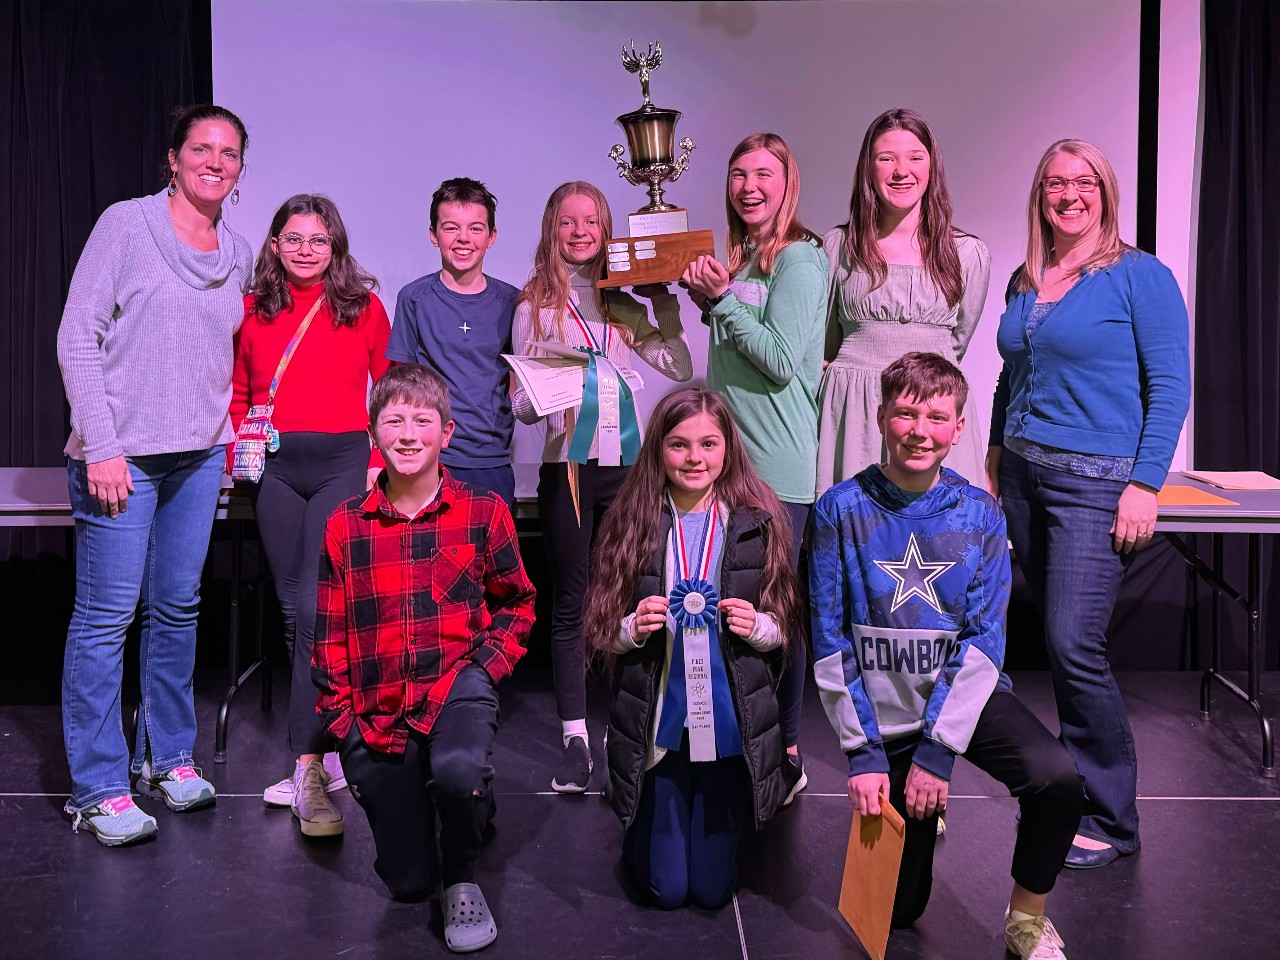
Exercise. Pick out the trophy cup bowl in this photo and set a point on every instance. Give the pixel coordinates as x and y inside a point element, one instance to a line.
<point>651,135</point>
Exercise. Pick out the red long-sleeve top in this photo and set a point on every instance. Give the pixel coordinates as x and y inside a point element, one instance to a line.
<point>325,387</point>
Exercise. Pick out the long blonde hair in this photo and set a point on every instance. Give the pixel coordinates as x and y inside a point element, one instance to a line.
<point>1109,248</point>
<point>787,228</point>
<point>548,286</point>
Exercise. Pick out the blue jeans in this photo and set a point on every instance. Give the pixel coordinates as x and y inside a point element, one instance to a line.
<point>1060,526</point>
<point>154,552</point>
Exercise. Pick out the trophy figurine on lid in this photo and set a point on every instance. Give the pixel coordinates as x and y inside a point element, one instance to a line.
<point>661,244</point>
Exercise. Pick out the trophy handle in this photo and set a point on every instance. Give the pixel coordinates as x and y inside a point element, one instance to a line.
<point>624,168</point>
<point>682,161</point>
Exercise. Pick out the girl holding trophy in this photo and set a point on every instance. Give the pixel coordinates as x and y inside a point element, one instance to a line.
<point>588,449</point>
<point>766,310</point>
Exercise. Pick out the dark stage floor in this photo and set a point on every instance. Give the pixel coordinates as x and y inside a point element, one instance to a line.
<point>239,881</point>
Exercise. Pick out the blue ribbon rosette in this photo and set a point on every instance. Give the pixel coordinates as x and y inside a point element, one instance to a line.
<point>693,604</point>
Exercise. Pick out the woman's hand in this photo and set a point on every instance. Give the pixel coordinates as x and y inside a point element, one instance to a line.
<point>865,790</point>
<point>1135,522</point>
<point>926,793</point>
<point>993,470</point>
<point>371,477</point>
<point>651,615</point>
<point>110,483</point>
<point>740,615</point>
<point>706,277</point>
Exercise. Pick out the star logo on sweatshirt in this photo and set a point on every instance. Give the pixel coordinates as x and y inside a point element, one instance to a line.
<point>915,577</point>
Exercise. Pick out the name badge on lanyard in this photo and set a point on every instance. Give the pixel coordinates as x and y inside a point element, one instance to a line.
<point>693,605</point>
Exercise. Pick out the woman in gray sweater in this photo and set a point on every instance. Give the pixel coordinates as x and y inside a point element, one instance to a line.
<point>145,348</point>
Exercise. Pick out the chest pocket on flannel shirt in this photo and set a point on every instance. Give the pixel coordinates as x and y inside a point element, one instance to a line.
<point>452,578</point>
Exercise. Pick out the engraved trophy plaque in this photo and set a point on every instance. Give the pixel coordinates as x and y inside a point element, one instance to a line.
<point>660,244</point>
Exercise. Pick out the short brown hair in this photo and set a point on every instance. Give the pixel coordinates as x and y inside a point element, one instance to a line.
<point>923,376</point>
<point>463,190</point>
<point>410,383</point>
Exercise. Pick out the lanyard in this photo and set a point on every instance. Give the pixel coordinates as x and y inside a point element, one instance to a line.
<point>592,341</point>
<point>704,548</point>
<point>288,351</point>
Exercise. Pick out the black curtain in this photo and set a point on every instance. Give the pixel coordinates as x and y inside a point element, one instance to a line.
<point>1237,357</point>
<point>87,110</point>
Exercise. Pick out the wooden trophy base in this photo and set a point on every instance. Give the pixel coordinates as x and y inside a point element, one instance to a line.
<point>661,258</point>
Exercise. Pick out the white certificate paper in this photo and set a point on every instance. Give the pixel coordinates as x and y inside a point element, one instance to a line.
<point>556,382</point>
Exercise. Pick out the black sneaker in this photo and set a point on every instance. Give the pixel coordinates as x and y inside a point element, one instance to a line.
<point>573,775</point>
<point>794,775</point>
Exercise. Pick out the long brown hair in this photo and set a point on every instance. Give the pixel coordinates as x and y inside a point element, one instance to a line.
<point>787,228</point>
<point>1109,249</point>
<point>548,286</point>
<point>346,285</point>
<point>632,528</point>
<point>935,232</point>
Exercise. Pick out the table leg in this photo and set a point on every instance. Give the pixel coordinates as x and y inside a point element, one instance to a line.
<point>1252,603</point>
<point>235,679</point>
<point>1215,631</point>
<point>1256,652</point>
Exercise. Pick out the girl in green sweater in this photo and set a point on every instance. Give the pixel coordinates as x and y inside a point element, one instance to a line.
<point>766,310</point>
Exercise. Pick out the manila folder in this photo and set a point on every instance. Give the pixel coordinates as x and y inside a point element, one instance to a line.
<point>871,876</point>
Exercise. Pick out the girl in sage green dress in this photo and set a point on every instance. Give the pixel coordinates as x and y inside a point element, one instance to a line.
<point>902,279</point>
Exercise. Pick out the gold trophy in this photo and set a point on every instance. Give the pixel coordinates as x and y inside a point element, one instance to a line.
<point>660,245</point>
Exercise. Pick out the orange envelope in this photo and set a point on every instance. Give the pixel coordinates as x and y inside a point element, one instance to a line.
<point>1184,496</point>
<point>871,876</point>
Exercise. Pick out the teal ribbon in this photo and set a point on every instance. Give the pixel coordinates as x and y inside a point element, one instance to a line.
<point>584,430</point>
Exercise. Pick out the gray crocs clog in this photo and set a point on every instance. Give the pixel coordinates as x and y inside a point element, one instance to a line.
<point>468,924</point>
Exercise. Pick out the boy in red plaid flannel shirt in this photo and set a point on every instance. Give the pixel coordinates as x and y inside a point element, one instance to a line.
<point>423,607</point>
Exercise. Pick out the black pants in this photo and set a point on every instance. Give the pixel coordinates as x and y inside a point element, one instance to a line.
<point>568,545</point>
<point>1012,746</point>
<point>428,808</point>
<point>791,686</point>
<point>303,483</point>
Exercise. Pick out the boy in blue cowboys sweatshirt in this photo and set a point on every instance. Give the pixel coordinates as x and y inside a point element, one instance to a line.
<point>909,580</point>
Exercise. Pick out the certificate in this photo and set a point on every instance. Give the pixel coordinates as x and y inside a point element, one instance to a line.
<point>556,382</point>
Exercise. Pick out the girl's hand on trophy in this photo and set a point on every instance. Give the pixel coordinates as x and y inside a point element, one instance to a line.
<point>706,276</point>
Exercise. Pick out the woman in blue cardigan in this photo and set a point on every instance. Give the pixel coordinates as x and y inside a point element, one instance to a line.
<point>1086,418</point>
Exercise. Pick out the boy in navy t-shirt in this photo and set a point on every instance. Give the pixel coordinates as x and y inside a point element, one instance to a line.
<point>457,322</point>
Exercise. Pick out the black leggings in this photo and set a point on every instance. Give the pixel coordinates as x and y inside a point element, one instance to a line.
<point>1012,746</point>
<point>304,482</point>
<point>568,545</point>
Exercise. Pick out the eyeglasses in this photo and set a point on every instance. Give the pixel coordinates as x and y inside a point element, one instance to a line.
<point>1082,184</point>
<point>292,243</point>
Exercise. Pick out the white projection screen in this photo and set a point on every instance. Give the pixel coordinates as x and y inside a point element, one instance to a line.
<point>374,103</point>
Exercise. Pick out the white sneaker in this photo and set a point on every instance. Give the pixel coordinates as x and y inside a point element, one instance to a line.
<point>333,767</point>
<point>281,794</point>
<point>1033,939</point>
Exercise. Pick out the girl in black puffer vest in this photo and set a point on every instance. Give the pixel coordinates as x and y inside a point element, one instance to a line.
<point>692,601</point>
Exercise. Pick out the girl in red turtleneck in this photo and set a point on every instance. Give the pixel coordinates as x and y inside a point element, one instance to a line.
<point>324,456</point>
